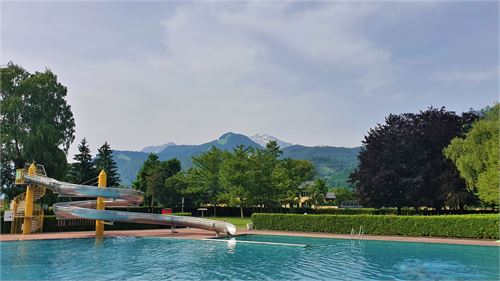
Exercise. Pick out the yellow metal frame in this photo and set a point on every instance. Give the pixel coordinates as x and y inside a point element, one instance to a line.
<point>28,211</point>
<point>99,224</point>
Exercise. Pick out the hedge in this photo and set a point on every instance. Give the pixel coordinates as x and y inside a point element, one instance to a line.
<point>458,226</point>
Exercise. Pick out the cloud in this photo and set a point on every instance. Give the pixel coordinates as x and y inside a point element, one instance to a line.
<point>249,41</point>
<point>468,76</point>
<point>143,73</point>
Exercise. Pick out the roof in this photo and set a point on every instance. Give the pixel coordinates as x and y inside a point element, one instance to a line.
<point>330,195</point>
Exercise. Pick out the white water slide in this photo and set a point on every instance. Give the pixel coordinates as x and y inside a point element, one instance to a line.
<point>117,197</point>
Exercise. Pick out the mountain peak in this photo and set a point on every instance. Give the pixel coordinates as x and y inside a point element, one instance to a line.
<point>265,138</point>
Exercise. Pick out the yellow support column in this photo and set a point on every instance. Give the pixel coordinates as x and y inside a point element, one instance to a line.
<point>99,224</point>
<point>28,209</point>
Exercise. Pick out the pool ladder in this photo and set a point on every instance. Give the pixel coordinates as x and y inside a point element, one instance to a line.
<point>361,232</point>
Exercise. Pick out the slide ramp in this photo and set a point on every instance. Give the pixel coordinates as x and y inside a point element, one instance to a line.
<point>117,197</point>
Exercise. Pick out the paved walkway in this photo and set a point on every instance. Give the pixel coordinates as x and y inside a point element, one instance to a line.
<point>192,233</point>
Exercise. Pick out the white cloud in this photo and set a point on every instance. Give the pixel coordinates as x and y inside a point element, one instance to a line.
<point>308,72</point>
<point>468,76</point>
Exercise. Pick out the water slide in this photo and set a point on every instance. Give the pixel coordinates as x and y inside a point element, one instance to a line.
<point>117,197</point>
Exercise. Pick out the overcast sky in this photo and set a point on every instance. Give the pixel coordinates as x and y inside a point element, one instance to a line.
<point>320,73</point>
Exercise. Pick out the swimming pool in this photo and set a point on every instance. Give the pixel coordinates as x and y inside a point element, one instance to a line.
<point>130,258</point>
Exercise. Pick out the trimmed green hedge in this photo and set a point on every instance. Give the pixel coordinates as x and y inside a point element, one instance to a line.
<point>458,226</point>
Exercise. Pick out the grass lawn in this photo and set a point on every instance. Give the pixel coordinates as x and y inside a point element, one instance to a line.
<point>240,223</point>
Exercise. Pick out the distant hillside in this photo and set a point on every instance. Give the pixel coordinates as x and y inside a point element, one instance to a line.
<point>332,163</point>
<point>130,162</point>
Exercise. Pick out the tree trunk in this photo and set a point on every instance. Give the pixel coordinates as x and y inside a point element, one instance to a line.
<point>151,205</point>
<point>399,211</point>
<point>241,210</point>
<point>215,209</point>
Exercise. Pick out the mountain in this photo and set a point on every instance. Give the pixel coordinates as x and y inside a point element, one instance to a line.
<point>130,162</point>
<point>157,148</point>
<point>334,164</point>
<point>265,138</point>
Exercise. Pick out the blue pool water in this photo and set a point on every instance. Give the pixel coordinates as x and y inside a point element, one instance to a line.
<point>167,258</point>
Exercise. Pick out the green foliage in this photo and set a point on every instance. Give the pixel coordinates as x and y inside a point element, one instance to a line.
<point>141,181</point>
<point>342,194</point>
<point>237,177</point>
<point>402,164</point>
<point>82,171</point>
<point>37,123</point>
<point>204,176</point>
<point>153,176</point>
<point>104,161</point>
<point>155,181</point>
<point>476,156</point>
<point>334,164</point>
<point>458,226</point>
<point>317,192</point>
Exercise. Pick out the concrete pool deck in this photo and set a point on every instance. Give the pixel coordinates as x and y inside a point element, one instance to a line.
<point>192,233</point>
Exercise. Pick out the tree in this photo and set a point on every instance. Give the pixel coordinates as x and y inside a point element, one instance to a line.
<point>317,192</point>
<point>476,156</point>
<point>152,177</point>
<point>175,189</point>
<point>343,194</point>
<point>205,176</point>
<point>236,176</point>
<point>155,180</point>
<point>288,175</point>
<point>104,161</point>
<point>37,122</point>
<point>401,162</point>
<point>148,165</point>
<point>83,171</point>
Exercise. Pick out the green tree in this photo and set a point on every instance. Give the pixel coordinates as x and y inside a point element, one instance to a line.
<point>317,192</point>
<point>157,178</point>
<point>37,122</point>
<point>264,193</point>
<point>205,176</point>
<point>343,194</point>
<point>83,171</point>
<point>148,165</point>
<point>236,176</point>
<point>142,180</point>
<point>104,161</point>
<point>152,177</point>
<point>175,189</point>
<point>288,176</point>
<point>476,156</point>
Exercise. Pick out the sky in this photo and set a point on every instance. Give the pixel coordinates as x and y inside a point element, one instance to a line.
<point>311,73</point>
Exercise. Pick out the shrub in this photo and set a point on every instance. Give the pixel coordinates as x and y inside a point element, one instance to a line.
<point>459,226</point>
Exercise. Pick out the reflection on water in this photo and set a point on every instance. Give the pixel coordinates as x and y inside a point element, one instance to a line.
<point>126,258</point>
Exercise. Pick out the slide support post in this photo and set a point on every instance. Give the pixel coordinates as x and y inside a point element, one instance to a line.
<point>28,209</point>
<point>99,224</point>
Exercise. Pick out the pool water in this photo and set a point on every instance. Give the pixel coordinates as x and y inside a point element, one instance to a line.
<point>167,258</point>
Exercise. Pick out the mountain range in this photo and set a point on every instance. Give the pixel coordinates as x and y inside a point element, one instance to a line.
<point>334,164</point>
